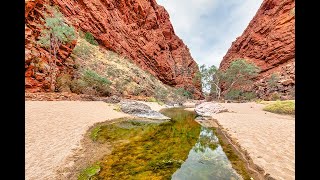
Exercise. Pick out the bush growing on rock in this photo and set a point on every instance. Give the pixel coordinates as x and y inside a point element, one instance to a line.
<point>89,82</point>
<point>54,33</point>
<point>183,92</point>
<point>90,38</point>
<point>82,50</point>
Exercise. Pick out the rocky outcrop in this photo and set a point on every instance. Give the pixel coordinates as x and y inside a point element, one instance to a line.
<point>37,59</point>
<point>140,110</point>
<point>209,108</point>
<point>138,29</point>
<point>269,42</point>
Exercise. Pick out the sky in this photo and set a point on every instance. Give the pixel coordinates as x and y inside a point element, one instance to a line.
<point>208,27</point>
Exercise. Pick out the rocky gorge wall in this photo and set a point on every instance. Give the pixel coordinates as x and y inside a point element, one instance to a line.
<point>137,29</point>
<point>269,42</point>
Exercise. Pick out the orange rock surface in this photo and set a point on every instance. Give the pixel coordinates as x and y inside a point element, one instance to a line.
<point>269,42</point>
<point>138,29</point>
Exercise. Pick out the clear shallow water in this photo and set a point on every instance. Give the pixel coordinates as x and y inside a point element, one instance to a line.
<point>206,160</point>
<point>180,149</point>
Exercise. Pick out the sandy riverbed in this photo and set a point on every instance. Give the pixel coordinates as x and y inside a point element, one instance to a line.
<point>268,138</point>
<point>53,130</point>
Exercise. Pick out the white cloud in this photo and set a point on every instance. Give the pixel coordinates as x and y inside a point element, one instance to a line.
<point>208,27</point>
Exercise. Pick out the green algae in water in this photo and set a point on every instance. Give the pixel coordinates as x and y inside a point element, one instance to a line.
<point>178,149</point>
<point>89,172</point>
<point>154,151</point>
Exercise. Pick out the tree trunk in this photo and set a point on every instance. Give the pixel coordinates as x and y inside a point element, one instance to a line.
<point>53,74</point>
<point>51,59</point>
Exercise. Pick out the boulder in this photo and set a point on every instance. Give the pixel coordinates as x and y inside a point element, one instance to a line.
<point>287,82</point>
<point>140,110</point>
<point>209,108</point>
<point>171,104</point>
<point>189,104</point>
<point>112,99</point>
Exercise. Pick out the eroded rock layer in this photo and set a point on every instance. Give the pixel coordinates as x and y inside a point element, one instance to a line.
<point>138,29</point>
<point>269,42</point>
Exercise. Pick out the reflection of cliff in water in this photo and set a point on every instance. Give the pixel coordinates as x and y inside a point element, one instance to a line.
<point>206,160</point>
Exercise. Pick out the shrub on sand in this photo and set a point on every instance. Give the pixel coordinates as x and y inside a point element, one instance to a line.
<point>281,107</point>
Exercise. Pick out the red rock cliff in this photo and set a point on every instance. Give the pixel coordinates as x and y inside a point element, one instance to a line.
<point>269,42</point>
<point>138,29</point>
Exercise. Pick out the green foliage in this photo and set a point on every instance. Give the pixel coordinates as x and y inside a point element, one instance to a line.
<point>94,79</point>
<point>273,80</point>
<point>240,73</point>
<point>97,82</point>
<point>54,33</point>
<point>249,95</point>
<point>183,92</point>
<point>160,103</point>
<point>117,108</point>
<point>89,79</point>
<point>87,173</point>
<point>82,50</point>
<point>187,94</point>
<point>210,79</point>
<point>233,94</point>
<point>90,38</point>
<point>57,28</point>
<point>281,107</point>
<point>236,94</point>
<point>152,99</point>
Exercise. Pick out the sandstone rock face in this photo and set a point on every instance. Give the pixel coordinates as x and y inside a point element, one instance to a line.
<point>138,29</point>
<point>209,108</point>
<point>140,110</point>
<point>37,59</point>
<point>269,42</point>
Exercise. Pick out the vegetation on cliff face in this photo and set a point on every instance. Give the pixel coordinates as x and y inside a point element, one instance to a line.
<point>269,42</point>
<point>54,33</point>
<point>102,72</point>
<point>151,45</point>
